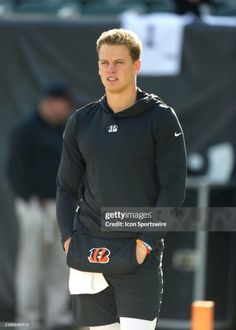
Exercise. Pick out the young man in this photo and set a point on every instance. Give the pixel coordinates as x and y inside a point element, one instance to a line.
<point>125,150</point>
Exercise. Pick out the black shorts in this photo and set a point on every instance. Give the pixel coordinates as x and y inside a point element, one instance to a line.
<point>135,295</point>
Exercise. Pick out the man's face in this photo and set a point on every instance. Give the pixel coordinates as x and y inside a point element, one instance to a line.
<point>55,110</point>
<point>116,68</point>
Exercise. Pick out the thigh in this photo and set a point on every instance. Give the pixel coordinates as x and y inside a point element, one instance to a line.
<point>95,309</point>
<point>30,217</point>
<point>127,323</point>
<point>30,238</point>
<point>138,294</point>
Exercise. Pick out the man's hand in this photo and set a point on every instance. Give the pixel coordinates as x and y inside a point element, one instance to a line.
<point>141,253</point>
<point>66,244</point>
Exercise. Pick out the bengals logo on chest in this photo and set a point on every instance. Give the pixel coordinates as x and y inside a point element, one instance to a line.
<point>99,255</point>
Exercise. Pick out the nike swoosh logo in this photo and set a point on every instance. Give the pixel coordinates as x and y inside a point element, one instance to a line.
<point>177,134</point>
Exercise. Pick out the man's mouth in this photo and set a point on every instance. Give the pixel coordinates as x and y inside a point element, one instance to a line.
<point>112,79</point>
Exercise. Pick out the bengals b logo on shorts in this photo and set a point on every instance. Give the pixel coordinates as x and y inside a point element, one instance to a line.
<point>99,255</point>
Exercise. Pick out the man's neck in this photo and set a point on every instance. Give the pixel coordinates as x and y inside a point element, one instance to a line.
<point>121,101</point>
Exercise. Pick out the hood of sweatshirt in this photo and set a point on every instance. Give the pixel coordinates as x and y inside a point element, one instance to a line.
<point>144,102</point>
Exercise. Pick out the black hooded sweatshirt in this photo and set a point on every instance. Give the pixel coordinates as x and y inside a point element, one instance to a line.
<point>132,158</point>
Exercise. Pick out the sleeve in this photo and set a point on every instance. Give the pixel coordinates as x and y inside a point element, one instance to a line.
<point>18,162</point>
<point>170,166</point>
<point>69,179</point>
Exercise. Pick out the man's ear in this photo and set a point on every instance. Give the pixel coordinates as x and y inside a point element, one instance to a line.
<point>98,69</point>
<point>137,66</point>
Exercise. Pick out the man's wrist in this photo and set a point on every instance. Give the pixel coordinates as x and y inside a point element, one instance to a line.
<point>144,245</point>
<point>66,244</point>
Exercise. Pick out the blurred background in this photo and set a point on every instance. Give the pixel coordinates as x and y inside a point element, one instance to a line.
<point>189,60</point>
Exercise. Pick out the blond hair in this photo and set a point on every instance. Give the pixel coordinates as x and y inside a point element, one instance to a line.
<point>121,37</point>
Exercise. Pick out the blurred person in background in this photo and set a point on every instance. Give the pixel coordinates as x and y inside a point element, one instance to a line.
<point>190,6</point>
<point>34,155</point>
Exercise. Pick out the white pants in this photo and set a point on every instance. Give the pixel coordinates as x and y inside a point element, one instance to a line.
<point>42,274</point>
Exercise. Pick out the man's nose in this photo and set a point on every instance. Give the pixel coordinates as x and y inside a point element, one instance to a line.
<point>111,67</point>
